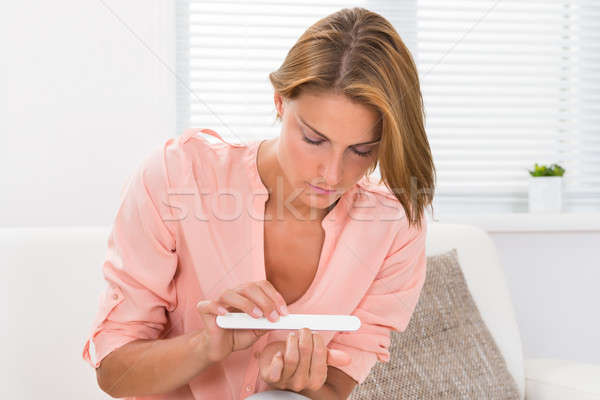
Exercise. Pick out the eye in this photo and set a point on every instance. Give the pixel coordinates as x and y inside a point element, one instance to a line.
<point>307,140</point>
<point>318,142</point>
<point>362,153</point>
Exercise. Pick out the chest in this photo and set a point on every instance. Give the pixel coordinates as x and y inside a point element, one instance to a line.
<point>292,253</point>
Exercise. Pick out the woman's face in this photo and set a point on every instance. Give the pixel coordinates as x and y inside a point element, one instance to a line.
<point>324,142</point>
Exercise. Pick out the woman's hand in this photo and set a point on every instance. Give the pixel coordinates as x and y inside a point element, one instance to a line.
<point>300,362</point>
<point>254,298</point>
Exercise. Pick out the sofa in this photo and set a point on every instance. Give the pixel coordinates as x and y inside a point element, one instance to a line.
<point>52,280</point>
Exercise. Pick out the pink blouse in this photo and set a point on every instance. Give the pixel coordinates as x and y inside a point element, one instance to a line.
<point>190,225</point>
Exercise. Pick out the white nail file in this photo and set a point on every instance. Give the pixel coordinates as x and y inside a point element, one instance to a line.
<point>314,322</point>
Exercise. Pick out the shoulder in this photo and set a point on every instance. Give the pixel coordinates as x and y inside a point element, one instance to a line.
<point>190,158</point>
<point>393,227</point>
<point>375,187</point>
<point>374,201</point>
<point>183,161</point>
<point>194,145</point>
<point>377,200</point>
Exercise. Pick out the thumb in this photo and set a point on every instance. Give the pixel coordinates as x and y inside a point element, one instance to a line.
<point>208,311</point>
<point>338,358</point>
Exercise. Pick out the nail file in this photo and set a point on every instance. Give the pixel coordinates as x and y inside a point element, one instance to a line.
<point>315,322</point>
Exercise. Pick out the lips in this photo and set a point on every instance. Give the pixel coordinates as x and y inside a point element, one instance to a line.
<point>323,190</point>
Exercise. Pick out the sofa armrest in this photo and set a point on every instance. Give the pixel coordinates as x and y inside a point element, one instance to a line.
<point>554,379</point>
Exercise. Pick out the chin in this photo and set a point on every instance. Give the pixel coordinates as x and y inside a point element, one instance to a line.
<point>319,201</point>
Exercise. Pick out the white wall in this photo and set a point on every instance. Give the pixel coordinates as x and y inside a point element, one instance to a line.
<point>89,91</point>
<point>552,271</point>
<point>85,102</point>
<point>554,278</point>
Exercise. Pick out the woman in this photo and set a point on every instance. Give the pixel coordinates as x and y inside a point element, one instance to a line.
<point>319,238</point>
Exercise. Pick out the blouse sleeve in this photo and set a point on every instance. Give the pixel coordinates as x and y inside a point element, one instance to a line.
<point>139,266</point>
<point>388,304</point>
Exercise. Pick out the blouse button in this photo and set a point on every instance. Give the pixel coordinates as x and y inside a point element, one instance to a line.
<point>115,296</point>
<point>249,388</point>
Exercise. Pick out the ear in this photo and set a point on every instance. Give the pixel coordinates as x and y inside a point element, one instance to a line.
<point>278,99</point>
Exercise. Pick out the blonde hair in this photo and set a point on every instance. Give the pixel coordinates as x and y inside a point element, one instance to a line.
<point>358,53</point>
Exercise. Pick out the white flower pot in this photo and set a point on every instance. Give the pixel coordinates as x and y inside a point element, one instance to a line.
<point>545,194</point>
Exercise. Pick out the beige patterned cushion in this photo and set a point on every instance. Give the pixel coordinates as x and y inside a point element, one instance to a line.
<point>446,352</point>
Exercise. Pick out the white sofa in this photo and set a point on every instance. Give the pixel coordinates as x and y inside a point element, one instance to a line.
<point>52,280</point>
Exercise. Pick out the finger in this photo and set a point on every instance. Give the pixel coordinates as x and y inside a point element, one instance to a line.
<point>275,296</point>
<point>234,299</point>
<point>318,363</point>
<point>290,362</point>
<point>276,367</point>
<point>338,358</point>
<point>305,346</point>
<point>272,372</point>
<point>255,294</point>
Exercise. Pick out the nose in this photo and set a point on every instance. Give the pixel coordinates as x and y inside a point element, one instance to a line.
<point>332,170</point>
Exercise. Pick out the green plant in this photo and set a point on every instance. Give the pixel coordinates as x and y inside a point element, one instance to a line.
<point>543,170</point>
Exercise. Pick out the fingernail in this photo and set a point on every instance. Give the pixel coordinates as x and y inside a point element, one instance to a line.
<point>274,315</point>
<point>284,310</point>
<point>278,354</point>
<point>222,310</point>
<point>257,312</point>
<point>293,334</point>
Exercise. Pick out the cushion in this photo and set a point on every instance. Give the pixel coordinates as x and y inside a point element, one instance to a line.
<point>446,352</point>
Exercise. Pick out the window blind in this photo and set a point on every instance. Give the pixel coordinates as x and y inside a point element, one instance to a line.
<point>226,49</point>
<point>507,84</point>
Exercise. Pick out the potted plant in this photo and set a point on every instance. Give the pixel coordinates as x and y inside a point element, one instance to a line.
<point>545,188</point>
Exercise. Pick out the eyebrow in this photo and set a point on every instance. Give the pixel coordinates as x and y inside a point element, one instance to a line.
<point>325,137</point>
